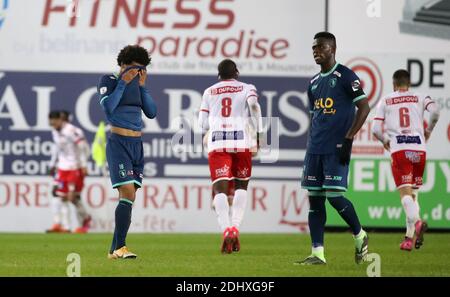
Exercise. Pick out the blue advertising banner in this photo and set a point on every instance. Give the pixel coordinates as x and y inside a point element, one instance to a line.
<point>26,98</point>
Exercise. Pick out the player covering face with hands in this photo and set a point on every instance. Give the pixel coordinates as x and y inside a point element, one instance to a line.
<point>333,95</point>
<point>123,98</point>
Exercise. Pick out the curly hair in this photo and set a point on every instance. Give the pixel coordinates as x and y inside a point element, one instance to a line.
<point>133,53</point>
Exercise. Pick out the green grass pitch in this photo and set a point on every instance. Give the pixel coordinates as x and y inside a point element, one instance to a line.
<point>199,255</point>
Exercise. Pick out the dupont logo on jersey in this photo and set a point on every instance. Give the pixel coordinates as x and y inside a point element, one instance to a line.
<point>226,89</point>
<point>3,8</point>
<point>223,171</point>
<point>403,99</point>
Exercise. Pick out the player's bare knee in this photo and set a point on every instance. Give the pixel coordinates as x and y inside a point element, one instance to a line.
<point>241,184</point>
<point>405,191</point>
<point>127,191</point>
<point>220,187</point>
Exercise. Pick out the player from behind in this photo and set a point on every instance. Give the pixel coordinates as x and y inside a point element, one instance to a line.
<point>404,136</point>
<point>123,98</point>
<point>69,160</point>
<point>224,112</point>
<point>333,95</point>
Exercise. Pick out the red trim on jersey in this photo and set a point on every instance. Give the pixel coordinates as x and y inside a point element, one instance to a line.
<point>205,110</point>
<point>428,104</point>
<point>379,119</point>
<point>252,96</point>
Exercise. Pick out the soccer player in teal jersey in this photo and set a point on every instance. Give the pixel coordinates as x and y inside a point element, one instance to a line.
<point>333,95</point>
<point>123,98</point>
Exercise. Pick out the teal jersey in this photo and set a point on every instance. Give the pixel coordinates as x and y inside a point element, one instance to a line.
<point>332,97</point>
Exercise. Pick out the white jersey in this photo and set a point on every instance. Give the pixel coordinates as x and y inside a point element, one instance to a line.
<point>228,115</point>
<point>67,154</point>
<point>403,116</point>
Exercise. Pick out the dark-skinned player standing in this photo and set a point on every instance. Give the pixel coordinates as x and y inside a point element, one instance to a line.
<point>333,95</point>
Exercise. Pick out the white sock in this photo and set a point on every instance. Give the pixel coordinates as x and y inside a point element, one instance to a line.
<point>222,209</point>
<point>411,209</point>
<point>65,214</point>
<point>239,203</point>
<point>410,229</point>
<point>416,200</point>
<point>56,210</point>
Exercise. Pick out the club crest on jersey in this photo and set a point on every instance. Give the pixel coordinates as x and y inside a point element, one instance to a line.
<point>332,83</point>
<point>103,90</point>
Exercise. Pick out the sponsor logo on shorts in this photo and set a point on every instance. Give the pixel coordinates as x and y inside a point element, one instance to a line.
<point>223,171</point>
<point>414,157</point>
<point>243,173</point>
<point>407,179</point>
<point>122,171</point>
<point>334,178</point>
<point>311,177</point>
<point>71,187</point>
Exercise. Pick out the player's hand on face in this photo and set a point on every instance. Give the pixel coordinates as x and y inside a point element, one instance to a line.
<point>427,135</point>
<point>129,75</point>
<point>142,77</point>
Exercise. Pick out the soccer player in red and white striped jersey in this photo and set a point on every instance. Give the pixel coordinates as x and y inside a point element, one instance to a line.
<point>69,159</point>
<point>404,136</point>
<point>224,112</point>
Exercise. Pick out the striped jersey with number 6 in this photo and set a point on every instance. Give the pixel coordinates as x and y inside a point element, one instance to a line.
<point>228,114</point>
<point>403,116</point>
